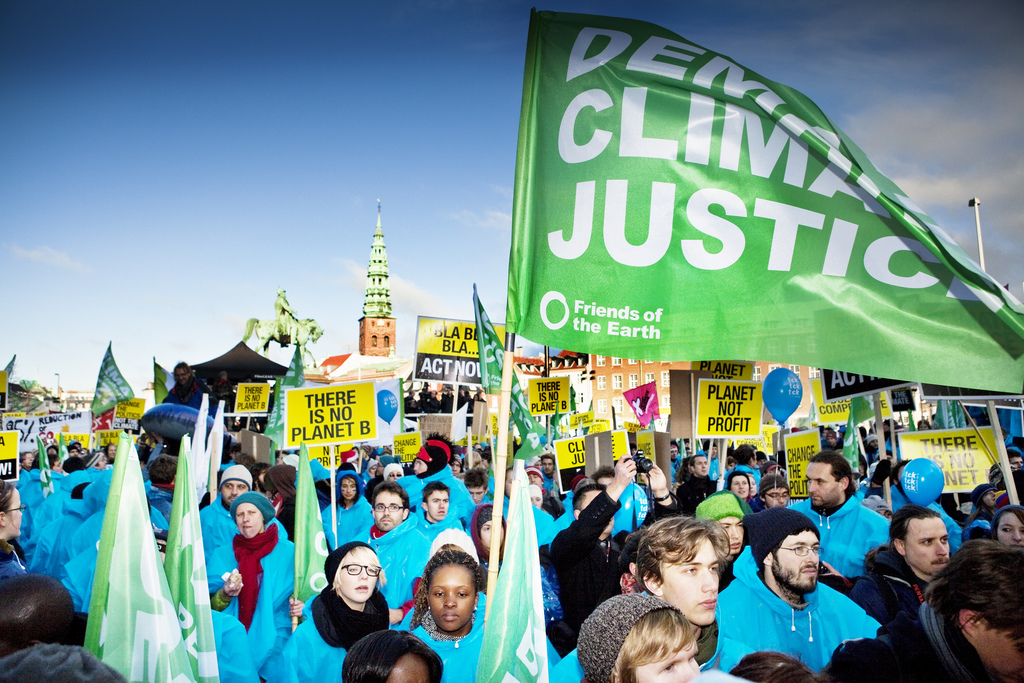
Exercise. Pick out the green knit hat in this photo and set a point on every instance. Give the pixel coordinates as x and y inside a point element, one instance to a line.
<point>723,504</point>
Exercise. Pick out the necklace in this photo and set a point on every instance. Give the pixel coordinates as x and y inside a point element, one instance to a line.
<point>437,634</point>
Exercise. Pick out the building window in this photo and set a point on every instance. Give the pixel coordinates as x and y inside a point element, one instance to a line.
<point>617,404</point>
<point>387,341</point>
<point>616,381</point>
<point>664,378</point>
<point>600,361</point>
<point>757,373</point>
<point>665,402</point>
<point>648,378</point>
<point>602,383</point>
<point>602,406</point>
<point>632,362</point>
<point>795,369</point>
<point>616,361</point>
<point>634,380</point>
<point>773,366</point>
<point>373,341</point>
<point>813,373</point>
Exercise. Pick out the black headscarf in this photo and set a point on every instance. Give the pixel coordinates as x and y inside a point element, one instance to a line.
<point>337,623</point>
<point>437,453</point>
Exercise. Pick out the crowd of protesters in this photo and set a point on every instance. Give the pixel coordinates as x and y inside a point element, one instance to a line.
<point>717,573</point>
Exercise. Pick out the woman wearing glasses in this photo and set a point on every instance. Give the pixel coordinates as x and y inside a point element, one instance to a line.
<point>252,579</point>
<point>345,611</point>
<point>10,528</point>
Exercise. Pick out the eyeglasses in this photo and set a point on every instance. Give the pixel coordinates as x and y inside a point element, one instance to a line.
<point>381,507</point>
<point>777,496</point>
<point>20,508</point>
<point>802,550</point>
<point>355,569</point>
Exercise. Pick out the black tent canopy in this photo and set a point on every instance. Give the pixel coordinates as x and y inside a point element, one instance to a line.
<point>240,363</point>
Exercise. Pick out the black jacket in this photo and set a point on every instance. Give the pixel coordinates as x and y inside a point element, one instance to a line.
<point>587,568</point>
<point>692,493</point>
<point>888,588</point>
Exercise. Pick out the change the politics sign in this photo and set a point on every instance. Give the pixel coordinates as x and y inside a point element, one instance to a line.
<point>648,159</point>
<point>727,408</point>
<point>328,415</point>
<point>407,445</point>
<point>10,465</point>
<point>252,397</point>
<point>800,448</point>
<point>446,351</point>
<point>127,415</point>
<point>549,395</point>
<point>964,460</point>
<point>727,369</point>
<point>836,385</point>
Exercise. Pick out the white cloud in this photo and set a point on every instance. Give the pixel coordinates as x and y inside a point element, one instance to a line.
<point>489,220</point>
<point>50,257</point>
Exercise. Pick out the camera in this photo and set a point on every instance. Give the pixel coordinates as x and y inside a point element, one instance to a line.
<point>643,464</point>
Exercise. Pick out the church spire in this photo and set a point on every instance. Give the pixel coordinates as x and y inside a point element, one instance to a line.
<point>378,293</point>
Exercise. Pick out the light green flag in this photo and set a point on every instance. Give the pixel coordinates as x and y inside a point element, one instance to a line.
<point>661,189</point>
<point>111,386</point>
<point>514,645</point>
<point>293,379</point>
<point>310,541</point>
<point>163,382</point>
<point>949,415</point>
<point>492,359</point>
<point>62,447</point>
<point>133,625</point>
<point>10,367</point>
<point>185,568</point>
<point>45,473</point>
<point>851,446</point>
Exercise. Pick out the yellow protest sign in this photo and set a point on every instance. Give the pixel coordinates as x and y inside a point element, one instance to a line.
<point>581,420</point>
<point>958,452</point>
<point>494,424</point>
<point>571,458</point>
<point>720,369</point>
<point>645,442</point>
<point>549,395</point>
<point>800,448</point>
<point>600,426</point>
<point>728,408</point>
<point>9,463</point>
<point>7,415</point>
<point>620,443</point>
<point>82,438</point>
<point>838,412</point>
<point>763,442</point>
<point>320,454</point>
<point>334,414</point>
<point>127,414</point>
<point>252,398</point>
<point>407,445</point>
<point>632,427</point>
<point>446,351</point>
<point>104,437</point>
<point>3,390</point>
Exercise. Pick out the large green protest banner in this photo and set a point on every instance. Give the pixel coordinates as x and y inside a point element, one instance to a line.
<point>672,204</point>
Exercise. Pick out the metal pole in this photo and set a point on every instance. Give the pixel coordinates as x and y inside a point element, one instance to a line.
<point>975,202</point>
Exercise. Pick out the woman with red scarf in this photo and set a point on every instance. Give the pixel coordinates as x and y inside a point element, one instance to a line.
<point>252,580</point>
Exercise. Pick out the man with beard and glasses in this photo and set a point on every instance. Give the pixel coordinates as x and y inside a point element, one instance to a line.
<point>775,602</point>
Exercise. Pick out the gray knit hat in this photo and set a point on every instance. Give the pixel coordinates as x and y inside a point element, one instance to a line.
<point>605,630</point>
<point>236,473</point>
<point>257,499</point>
<point>54,662</point>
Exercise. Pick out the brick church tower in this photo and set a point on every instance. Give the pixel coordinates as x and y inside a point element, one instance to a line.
<point>377,327</point>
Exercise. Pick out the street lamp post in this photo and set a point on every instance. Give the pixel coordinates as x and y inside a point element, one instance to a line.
<point>58,388</point>
<point>975,202</point>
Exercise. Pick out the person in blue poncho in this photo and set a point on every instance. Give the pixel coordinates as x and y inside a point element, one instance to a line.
<point>10,528</point>
<point>437,516</point>
<point>345,611</point>
<point>776,602</point>
<point>431,464</point>
<point>252,580</point>
<point>445,616</point>
<point>215,519</point>
<point>400,543</point>
<point>354,512</point>
<point>848,530</point>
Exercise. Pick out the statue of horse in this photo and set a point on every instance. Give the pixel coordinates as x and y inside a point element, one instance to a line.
<point>285,332</point>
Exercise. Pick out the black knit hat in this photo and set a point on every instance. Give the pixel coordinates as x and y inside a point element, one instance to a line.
<point>605,630</point>
<point>333,561</point>
<point>768,529</point>
<point>437,453</point>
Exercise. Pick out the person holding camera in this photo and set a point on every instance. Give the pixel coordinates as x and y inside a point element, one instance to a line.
<point>585,556</point>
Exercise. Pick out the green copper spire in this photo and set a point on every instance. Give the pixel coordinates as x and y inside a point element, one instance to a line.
<point>378,293</point>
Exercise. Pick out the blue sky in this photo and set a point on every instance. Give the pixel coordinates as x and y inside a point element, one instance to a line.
<point>166,166</point>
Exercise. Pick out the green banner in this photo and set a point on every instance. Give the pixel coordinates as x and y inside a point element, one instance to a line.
<point>310,541</point>
<point>671,204</point>
<point>294,378</point>
<point>111,386</point>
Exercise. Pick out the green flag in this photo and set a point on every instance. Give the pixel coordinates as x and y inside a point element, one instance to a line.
<point>293,379</point>
<point>185,568</point>
<point>310,541</point>
<point>62,448</point>
<point>163,382</point>
<point>662,189</point>
<point>949,415</point>
<point>861,409</point>
<point>10,367</point>
<point>133,625</point>
<point>491,364</point>
<point>111,386</point>
<point>851,443</point>
<point>45,473</point>
<point>514,645</point>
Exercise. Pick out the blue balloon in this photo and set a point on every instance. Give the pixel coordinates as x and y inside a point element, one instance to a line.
<point>387,405</point>
<point>782,393</point>
<point>633,512</point>
<point>922,481</point>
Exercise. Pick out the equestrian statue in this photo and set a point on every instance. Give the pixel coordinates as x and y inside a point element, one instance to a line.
<point>285,329</point>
